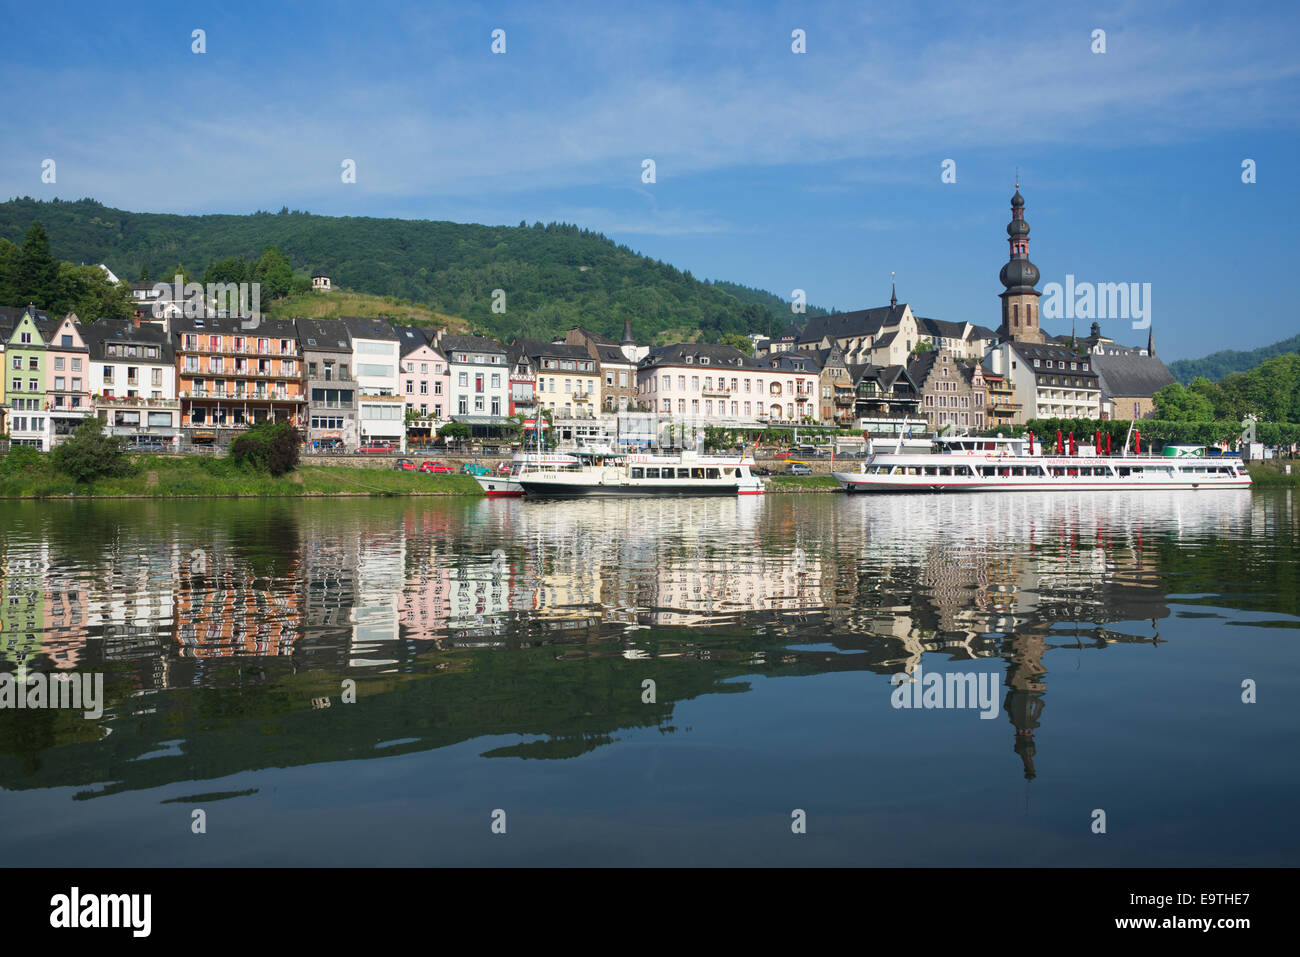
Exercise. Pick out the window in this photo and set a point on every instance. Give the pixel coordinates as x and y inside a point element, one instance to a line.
<point>463,380</point>
<point>58,362</point>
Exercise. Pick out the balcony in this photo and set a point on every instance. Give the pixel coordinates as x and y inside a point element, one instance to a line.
<point>255,396</point>
<point>228,349</point>
<point>117,401</point>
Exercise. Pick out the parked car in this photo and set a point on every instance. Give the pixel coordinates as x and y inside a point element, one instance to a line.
<point>760,470</point>
<point>405,465</point>
<point>469,468</point>
<point>798,468</point>
<point>437,468</point>
<point>377,448</point>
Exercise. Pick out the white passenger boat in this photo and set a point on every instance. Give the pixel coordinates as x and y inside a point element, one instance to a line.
<point>972,464</point>
<point>684,473</point>
<point>504,483</point>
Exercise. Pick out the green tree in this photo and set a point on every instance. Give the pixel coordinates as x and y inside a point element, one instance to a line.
<point>1174,403</point>
<point>38,272</point>
<point>274,273</point>
<point>9,255</point>
<point>89,453</point>
<point>88,292</point>
<point>272,447</point>
<point>737,341</point>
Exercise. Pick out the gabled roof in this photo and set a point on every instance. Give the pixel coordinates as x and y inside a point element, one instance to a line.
<point>450,344</point>
<point>793,332</point>
<point>324,335</point>
<point>612,355</point>
<point>694,353</point>
<point>49,329</point>
<point>537,348</point>
<point>12,314</point>
<point>791,362</point>
<point>886,340</point>
<point>864,322</point>
<point>1131,376</point>
<point>942,328</point>
<point>411,338</point>
<point>365,327</point>
<point>97,335</point>
<point>885,376</point>
<point>920,366</point>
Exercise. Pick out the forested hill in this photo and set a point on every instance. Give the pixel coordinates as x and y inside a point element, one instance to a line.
<point>1214,367</point>
<point>554,276</point>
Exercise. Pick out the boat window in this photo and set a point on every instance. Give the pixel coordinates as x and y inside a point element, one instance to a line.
<point>697,473</point>
<point>711,473</point>
<point>638,473</point>
<point>683,473</point>
<point>931,470</point>
<point>652,473</point>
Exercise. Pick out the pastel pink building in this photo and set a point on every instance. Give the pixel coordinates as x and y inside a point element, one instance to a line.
<point>423,376</point>
<point>722,384</point>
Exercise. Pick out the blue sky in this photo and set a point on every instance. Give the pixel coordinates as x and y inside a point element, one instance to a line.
<point>818,171</point>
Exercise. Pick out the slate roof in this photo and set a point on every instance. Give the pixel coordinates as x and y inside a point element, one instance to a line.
<point>1055,353</point>
<point>364,327</point>
<point>450,344</point>
<point>330,335</point>
<point>678,353</point>
<point>12,314</point>
<point>941,327</point>
<point>97,335</point>
<point>411,338</point>
<point>791,362</point>
<point>886,376</point>
<point>536,348</point>
<point>1131,376</point>
<point>863,322</point>
<point>920,367</point>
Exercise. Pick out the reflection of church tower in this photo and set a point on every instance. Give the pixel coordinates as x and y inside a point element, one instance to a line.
<point>1024,703</point>
<point>1019,275</point>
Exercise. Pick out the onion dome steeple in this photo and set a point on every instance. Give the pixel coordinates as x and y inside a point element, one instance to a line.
<point>1019,277</point>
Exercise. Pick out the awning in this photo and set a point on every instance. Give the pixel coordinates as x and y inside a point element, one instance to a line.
<point>488,420</point>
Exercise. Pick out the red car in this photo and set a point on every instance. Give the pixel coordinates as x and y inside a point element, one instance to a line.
<point>377,448</point>
<point>437,468</point>
<point>406,465</point>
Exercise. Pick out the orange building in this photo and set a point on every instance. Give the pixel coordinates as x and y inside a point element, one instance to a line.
<point>232,373</point>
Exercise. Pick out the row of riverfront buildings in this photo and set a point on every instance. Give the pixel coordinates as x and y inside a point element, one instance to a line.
<point>173,380</point>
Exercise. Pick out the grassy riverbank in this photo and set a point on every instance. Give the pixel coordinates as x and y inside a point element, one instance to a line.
<point>1270,474</point>
<point>176,476</point>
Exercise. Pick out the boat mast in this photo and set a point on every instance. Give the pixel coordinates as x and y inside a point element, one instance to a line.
<point>1128,438</point>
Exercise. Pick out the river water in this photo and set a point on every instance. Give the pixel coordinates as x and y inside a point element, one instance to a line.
<point>1090,678</point>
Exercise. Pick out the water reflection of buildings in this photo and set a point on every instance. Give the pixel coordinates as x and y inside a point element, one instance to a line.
<point>1016,576</point>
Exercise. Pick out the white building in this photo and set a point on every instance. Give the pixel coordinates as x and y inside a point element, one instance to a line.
<point>480,379</point>
<point>376,357</point>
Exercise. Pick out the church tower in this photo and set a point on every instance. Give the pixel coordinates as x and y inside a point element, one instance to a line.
<point>1019,276</point>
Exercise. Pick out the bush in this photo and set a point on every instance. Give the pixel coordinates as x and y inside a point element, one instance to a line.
<point>271,447</point>
<point>89,454</point>
<point>20,458</point>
